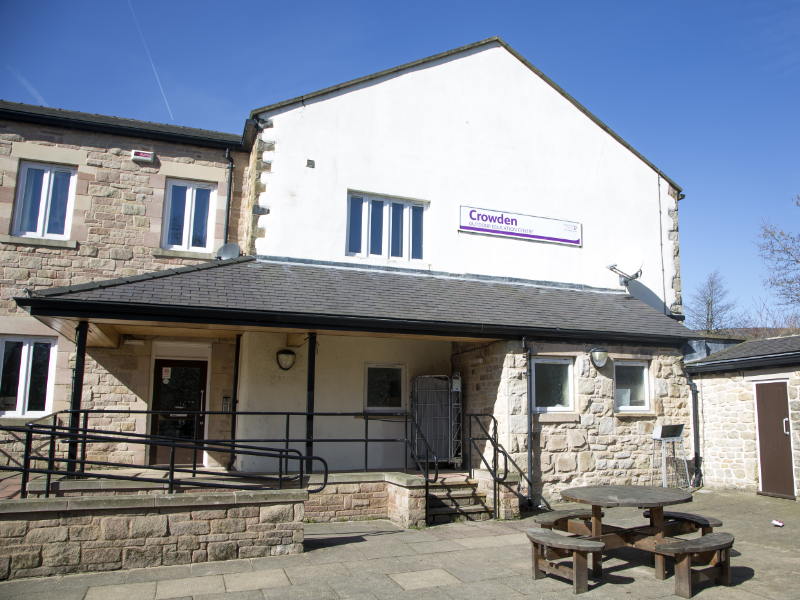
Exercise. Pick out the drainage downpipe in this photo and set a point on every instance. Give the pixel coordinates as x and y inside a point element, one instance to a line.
<point>696,431</point>
<point>528,379</point>
<point>235,398</point>
<point>230,189</point>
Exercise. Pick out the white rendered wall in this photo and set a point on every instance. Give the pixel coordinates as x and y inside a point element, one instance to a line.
<point>339,388</point>
<point>476,129</point>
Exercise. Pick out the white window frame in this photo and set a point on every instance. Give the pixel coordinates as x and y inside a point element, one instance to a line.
<point>552,360</point>
<point>188,216</point>
<point>24,375</point>
<point>366,216</point>
<point>403,387</point>
<point>633,363</point>
<point>44,201</point>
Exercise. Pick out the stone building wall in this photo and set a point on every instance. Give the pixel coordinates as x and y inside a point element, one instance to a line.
<point>728,431</point>
<point>592,445</point>
<point>59,536</point>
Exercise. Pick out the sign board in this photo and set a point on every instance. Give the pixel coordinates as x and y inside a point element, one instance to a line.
<point>166,372</point>
<point>143,155</point>
<point>525,227</point>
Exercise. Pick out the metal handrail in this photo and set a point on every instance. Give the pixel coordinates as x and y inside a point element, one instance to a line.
<point>101,436</point>
<point>426,470</point>
<point>497,449</point>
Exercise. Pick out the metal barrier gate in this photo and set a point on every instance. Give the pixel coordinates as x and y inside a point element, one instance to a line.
<point>436,406</point>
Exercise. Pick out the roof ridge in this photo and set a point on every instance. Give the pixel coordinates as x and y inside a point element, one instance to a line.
<point>80,287</point>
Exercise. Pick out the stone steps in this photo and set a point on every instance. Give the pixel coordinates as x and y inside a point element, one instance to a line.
<point>457,499</point>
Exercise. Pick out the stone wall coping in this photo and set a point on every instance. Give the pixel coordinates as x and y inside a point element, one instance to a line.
<point>161,253</point>
<point>404,480</point>
<point>394,477</point>
<point>556,418</point>
<point>238,497</point>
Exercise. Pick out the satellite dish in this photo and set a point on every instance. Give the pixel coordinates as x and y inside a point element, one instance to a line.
<point>227,251</point>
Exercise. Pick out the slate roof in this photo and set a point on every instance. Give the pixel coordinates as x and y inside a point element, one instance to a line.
<point>283,293</point>
<point>131,127</point>
<point>752,353</point>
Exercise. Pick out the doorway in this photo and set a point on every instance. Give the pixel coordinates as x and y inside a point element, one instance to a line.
<point>774,440</point>
<point>179,388</point>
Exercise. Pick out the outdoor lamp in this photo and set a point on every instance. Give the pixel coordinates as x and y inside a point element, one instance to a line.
<point>285,359</point>
<point>598,356</point>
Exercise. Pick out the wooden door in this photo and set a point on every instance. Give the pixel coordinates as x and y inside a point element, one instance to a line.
<point>774,441</point>
<point>179,387</point>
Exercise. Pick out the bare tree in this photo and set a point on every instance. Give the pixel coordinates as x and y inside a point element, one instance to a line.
<point>763,320</point>
<point>709,309</point>
<point>780,251</point>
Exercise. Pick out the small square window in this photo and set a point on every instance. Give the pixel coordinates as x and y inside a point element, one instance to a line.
<point>552,385</point>
<point>188,222</point>
<point>384,228</point>
<point>384,388</point>
<point>27,371</point>
<point>45,197</point>
<point>631,389</point>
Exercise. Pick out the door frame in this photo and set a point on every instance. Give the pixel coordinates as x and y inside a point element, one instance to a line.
<point>756,381</point>
<point>171,350</point>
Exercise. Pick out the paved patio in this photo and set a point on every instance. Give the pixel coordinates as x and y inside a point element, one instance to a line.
<point>372,560</point>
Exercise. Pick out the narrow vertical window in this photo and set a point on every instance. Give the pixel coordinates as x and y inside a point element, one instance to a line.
<point>376,227</point>
<point>59,201</point>
<point>40,369</point>
<point>177,215</point>
<point>9,380</point>
<point>416,232</point>
<point>354,225</point>
<point>396,237</point>
<point>202,198</point>
<point>31,200</point>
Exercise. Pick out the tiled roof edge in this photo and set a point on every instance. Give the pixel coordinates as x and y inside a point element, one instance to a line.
<point>58,291</point>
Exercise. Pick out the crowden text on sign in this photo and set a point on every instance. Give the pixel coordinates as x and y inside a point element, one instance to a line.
<point>525,227</point>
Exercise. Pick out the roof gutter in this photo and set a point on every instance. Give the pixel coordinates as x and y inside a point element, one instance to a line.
<point>738,364</point>
<point>105,311</point>
<point>131,131</point>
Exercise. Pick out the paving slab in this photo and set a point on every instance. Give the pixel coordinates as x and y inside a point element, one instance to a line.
<point>424,579</point>
<point>194,586</point>
<point>481,590</point>
<point>304,591</point>
<point>220,568</point>
<point>140,591</point>
<point>255,580</point>
<point>159,573</point>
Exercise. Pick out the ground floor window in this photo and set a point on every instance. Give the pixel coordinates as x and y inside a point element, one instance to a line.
<point>552,384</point>
<point>26,375</point>
<point>631,392</point>
<point>384,387</point>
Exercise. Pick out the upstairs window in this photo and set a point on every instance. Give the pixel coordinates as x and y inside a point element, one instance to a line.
<point>45,197</point>
<point>388,228</point>
<point>631,389</point>
<point>27,371</point>
<point>188,216</point>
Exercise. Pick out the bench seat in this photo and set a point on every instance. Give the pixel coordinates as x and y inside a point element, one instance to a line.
<point>715,548</point>
<point>698,520</point>
<point>559,519</point>
<point>544,539</point>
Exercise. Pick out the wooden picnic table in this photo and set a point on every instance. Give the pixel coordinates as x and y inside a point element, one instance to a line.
<point>637,496</point>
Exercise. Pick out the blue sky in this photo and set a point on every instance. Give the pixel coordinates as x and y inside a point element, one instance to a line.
<point>708,91</point>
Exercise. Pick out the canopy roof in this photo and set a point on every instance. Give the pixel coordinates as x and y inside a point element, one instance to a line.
<point>269,293</point>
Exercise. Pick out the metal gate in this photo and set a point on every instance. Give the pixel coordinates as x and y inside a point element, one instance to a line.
<point>436,407</point>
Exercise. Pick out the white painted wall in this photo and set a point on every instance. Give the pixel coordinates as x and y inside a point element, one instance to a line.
<point>339,388</point>
<point>480,129</point>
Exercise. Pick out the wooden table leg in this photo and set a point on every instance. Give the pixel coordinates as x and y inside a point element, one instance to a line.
<point>657,520</point>
<point>535,572</point>
<point>683,575</point>
<point>597,531</point>
<point>579,571</point>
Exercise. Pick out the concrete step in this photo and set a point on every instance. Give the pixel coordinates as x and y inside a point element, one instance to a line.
<point>460,510</point>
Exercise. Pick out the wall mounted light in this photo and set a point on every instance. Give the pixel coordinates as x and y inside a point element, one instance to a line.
<point>598,356</point>
<point>285,359</point>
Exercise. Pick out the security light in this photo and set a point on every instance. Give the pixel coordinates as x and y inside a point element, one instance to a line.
<point>598,356</point>
<point>285,359</point>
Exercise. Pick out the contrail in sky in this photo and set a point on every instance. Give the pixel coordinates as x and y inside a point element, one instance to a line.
<point>135,20</point>
<point>28,86</point>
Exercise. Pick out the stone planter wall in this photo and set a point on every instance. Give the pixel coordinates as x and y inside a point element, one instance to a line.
<point>591,445</point>
<point>57,536</point>
<point>508,501</point>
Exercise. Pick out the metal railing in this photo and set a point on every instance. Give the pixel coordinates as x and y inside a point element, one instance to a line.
<point>78,439</point>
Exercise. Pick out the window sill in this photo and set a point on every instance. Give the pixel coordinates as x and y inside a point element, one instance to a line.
<point>161,253</point>
<point>31,241</point>
<point>15,421</point>
<point>633,415</point>
<point>556,417</point>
